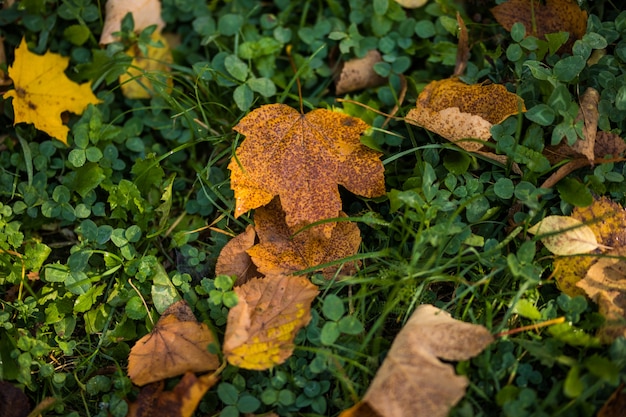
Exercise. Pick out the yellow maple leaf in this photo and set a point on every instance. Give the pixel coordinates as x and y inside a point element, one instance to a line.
<point>42,91</point>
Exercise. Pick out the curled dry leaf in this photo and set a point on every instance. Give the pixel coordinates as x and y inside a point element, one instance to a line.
<point>357,74</point>
<point>145,71</point>
<point>458,111</point>
<point>564,235</point>
<point>43,91</point>
<point>234,260</point>
<point>412,381</point>
<point>145,13</point>
<point>589,114</point>
<point>178,343</point>
<point>605,284</point>
<point>182,401</point>
<point>261,327</point>
<point>606,219</point>
<point>278,252</point>
<point>541,19</point>
<point>303,159</point>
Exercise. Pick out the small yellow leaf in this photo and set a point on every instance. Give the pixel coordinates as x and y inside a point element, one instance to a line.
<point>564,235</point>
<point>261,327</point>
<point>43,91</point>
<point>146,71</point>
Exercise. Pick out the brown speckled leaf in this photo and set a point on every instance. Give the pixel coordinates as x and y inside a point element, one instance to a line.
<point>278,252</point>
<point>554,16</point>
<point>412,381</point>
<point>233,259</point>
<point>302,159</point>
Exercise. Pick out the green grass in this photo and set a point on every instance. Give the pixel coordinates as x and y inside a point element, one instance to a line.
<point>138,206</point>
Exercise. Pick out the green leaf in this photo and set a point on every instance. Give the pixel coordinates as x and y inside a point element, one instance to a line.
<point>603,368</point>
<point>573,386</point>
<point>504,188</point>
<point>333,308</point>
<point>526,308</point>
<point>236,67</point>
<point>227,393</point>
<point>567,69</point>
<point>542,114</point>
<point>263,86</point>
<point>350,325</point>
<point>229,24</point>
<point>330,333</point>
<point>574,192</point>
<point>85,301</point>
<point>164,293</point>
<point>76,34</point>
<point>135,309</point>
<point>248,404</point>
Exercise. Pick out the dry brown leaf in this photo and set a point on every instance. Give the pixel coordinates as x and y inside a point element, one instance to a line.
<point>412,381</point>
<point>565,235</point>
<point>457,111</point>
<point>303,159</point>
<point>145,13</point>
<point>261,327</point>
<point>234,260</point>
<point>463,49</point>
<point>609,145</point>
<point>605,284</point>
<point>589,114</point>
<point>540,19</point>
<point>13,401</point>
<point>615,405</point>
<point>178,343</point>
<point>182,401</point>
<point>137,82</point>
<point>278,252</point>
<point>357,74</point>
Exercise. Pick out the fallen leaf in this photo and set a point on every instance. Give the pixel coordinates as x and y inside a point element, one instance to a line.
<point>13,401</point>
<point>606,219</point>
<point>411,4</point>
<point>146,71</point>
<point>463,49</point>
<point>457,111</point>
<point>260,329</point>
<point>234,260</point>
<point>358,73</point>
<point>589,114</point>
<point>412,381</point>
<point>43,91</point>
<point>182,401</point>
<point>539,19</point>
<point>178,343</point>
<point>609,145</point>
<point>302,159</point>
<point>145,13</point>
<point>565,235</point>
<point>615,405</point>
<point>605,284</point>
<point>278,252</point>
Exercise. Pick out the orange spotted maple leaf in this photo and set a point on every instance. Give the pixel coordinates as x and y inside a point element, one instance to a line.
<point>302,158</point>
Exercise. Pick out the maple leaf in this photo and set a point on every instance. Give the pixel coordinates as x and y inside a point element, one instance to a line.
<point>540,19</point>
<point>278,252</point>
<point>145,13</point>
<point>182,401</point>
<point>177,344</point>
<point>411,381</point>
<point>42,91</point>
<point>302,159</point>
<point>260,329</point>
<point>138,81</point>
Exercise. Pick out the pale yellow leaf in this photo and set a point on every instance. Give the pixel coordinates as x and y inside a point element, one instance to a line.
<point>564,235</point>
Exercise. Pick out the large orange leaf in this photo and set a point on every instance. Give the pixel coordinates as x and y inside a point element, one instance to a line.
<point>178,343</point>
<point>278,252</point>
<point>540,19</point>
<point>412,381</point>
<point>302,159</point>
<point>42,91</point>
<point>261,327</point>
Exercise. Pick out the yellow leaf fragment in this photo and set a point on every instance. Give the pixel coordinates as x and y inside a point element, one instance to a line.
<point>303,159</point>
<point>278,252</point>
<point>564,235</point>
<point>147,71</point>
<point>145,13</point>
<point>457,111</point>
<point>43,91</point>
<point>412,381</point>
<point>261,327</point>
<point>411,4</point>
<point>178,343</point>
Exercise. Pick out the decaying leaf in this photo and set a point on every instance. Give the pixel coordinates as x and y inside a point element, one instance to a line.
<point>411,4</point>
<point>178,343</point>
<point>145,71</point>
<point>278,252</point>
<point>564,235</point>
<point>605,284</point>
<point>358,73</point>
<point>606,219</point>
<point>145,13</point>
<point>609,145</point>
<point>615,405</point>
<point>43,91</point>
<point>589,114</point>
<point>412,381</point>
<point>261,327</point>
<point>457,111</point>
<point>182,401</point>
<point>234,260</point>
<point>541,19</point>
<point>302,159</point>
<point>13,401</point>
